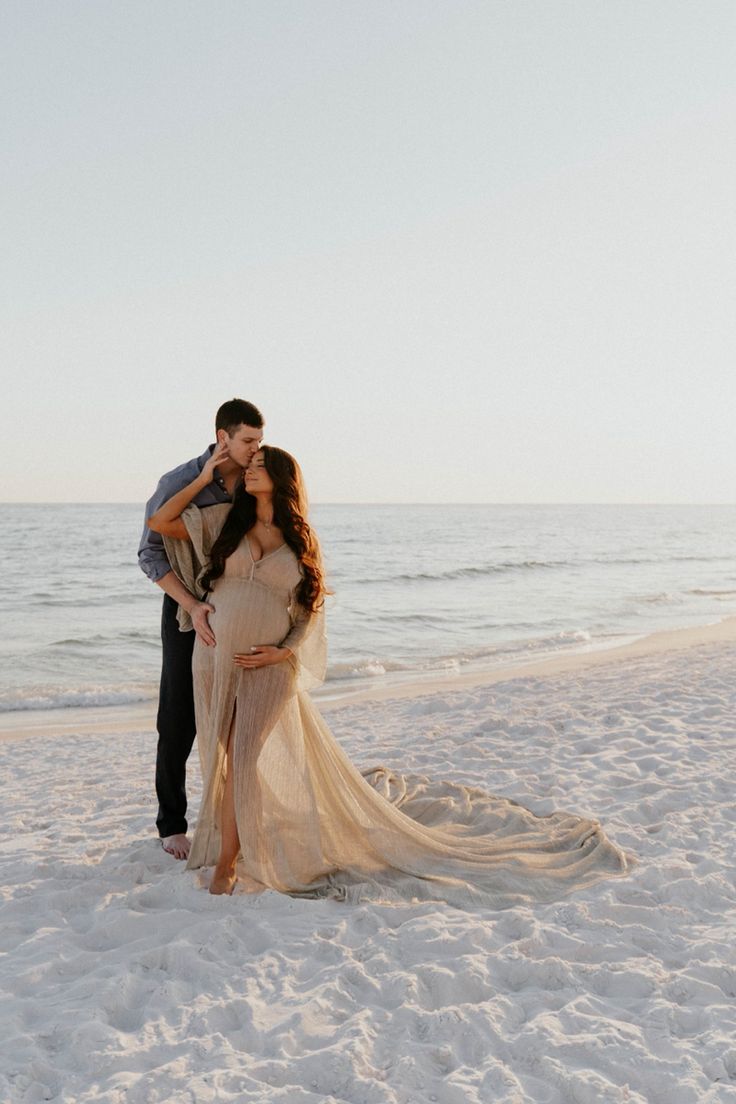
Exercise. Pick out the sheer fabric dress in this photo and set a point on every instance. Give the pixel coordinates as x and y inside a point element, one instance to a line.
<point>313,824</point>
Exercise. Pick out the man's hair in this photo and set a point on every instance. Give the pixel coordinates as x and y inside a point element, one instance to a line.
<point>237,412</point>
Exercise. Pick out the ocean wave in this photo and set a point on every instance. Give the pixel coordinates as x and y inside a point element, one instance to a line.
<point>367,668</point>
<point>392,618</point>
<point>85,601</point>
<point>663,598</point>
<point>372,666</point>
<point>58,697</point>
<point>474,571</point>
<point>563,640</point>
<point>664,559</point>
<point>95,640</point>
<point>705,591</point>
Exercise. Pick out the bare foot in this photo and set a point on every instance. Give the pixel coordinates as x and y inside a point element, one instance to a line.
<point>223,880</point>
<point>178,846</point>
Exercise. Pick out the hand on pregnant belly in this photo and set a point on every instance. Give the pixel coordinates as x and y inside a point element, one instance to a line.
<point>262,656</point>
<point>199,614</point>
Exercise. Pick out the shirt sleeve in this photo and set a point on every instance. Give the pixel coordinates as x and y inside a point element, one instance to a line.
<point>152,557</point>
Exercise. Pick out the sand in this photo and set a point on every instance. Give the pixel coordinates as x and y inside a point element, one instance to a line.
<point>125,981</point>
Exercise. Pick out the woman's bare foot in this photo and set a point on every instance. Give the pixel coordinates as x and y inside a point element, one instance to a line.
<point>223,880</point>
<point>178,846</point>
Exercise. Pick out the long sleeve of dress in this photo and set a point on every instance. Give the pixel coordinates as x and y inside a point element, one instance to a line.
<point>188,558</point>
<point>308,642</point>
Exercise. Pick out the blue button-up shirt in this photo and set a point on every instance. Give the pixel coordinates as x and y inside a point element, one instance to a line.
<point>151,554</point>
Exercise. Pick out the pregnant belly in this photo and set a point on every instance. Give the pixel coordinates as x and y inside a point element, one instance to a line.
<point>247,614</point>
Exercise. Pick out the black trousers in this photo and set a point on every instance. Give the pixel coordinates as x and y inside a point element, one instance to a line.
<point>175,722</point>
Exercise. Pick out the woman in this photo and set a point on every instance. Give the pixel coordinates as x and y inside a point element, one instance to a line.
<point>279,792</point>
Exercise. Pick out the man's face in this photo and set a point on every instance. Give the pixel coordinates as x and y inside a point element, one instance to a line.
<point>243,444</point>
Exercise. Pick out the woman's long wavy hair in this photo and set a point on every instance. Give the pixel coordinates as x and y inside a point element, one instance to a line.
<point>289,514</point>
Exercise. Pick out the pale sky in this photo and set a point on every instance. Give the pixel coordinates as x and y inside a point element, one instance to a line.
<point>455,251</point>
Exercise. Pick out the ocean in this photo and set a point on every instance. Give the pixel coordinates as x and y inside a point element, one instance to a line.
<point>420,591</point>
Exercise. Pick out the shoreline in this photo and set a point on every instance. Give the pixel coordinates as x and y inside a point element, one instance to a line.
<point>141,716</point>
<point>656,643</point>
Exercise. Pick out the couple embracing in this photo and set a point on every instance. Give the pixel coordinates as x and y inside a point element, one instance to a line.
<point>228,540</point>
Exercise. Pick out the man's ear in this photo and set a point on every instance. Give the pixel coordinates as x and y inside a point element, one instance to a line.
<point>221,436</point>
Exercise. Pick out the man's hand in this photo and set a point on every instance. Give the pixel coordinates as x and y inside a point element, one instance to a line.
<point>199,614</point>
<point>262,656</point>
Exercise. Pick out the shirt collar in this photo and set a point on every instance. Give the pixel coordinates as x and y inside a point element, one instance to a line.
<point>202,460</point>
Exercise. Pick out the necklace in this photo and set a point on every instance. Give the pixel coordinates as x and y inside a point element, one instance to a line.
<point>266,524</point>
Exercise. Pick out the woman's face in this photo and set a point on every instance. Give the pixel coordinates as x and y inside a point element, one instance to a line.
<point>256,478</point>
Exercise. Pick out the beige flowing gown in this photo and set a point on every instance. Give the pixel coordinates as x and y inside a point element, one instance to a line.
<point>313,824</point>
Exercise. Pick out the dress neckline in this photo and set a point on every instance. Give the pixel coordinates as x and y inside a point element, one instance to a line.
<point>267,554</point>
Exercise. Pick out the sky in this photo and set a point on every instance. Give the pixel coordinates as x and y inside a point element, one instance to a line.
<point>455,251</point>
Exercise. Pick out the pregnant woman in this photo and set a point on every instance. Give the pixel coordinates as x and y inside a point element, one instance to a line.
<point>283,807</point>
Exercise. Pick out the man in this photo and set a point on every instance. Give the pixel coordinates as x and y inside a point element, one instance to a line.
<point>239,425</point>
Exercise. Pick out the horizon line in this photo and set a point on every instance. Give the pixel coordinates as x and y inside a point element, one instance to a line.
<point>433,502</point>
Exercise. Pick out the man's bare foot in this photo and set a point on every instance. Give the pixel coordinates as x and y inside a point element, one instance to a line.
<point>223,880</point>
<point>178,846</point>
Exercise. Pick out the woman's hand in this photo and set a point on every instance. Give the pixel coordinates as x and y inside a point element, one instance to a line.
<point>263,656</point>
<point>219,453</point>
<point>167,519</point>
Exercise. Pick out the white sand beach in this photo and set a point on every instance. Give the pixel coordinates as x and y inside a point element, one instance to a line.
<point>126,982</point>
